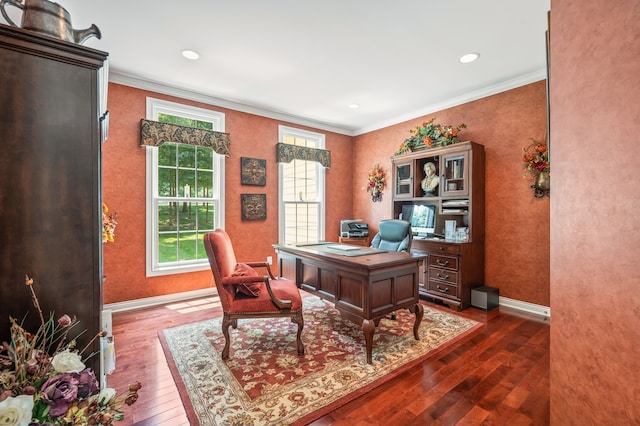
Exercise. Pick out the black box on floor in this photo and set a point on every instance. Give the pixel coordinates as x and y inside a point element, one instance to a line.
<point>485,297</point>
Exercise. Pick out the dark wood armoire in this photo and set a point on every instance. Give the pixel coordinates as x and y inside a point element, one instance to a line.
<point>50,181</point>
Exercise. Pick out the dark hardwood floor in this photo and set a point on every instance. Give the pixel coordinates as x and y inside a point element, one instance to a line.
<point>498,375</point>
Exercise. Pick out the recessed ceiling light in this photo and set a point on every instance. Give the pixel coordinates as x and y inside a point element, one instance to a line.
<point>354,106</point>
<point>469,57</point>
<point>190,54</point>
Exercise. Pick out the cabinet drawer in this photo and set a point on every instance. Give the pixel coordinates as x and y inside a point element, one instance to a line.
<point>438,274</point>
<point>438,247</point>
<point>442,288</point>
<point>443,262</point>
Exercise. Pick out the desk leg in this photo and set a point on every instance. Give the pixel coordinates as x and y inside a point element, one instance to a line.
<point>418,309</point>
<point>368,328</point>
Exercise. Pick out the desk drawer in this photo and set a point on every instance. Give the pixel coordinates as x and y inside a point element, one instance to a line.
<point>438,247</point>
<point>447,276</point>
<point>443,262</point>
<point>442,288</point>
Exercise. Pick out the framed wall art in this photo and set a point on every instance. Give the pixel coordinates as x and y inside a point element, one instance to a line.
<point>253,171</point>
<point>254,206</point>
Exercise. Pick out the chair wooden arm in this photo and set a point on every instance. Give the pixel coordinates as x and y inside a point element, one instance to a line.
<point>261,265</point>
<point>280,303</point>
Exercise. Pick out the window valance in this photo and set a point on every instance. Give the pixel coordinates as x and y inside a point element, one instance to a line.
<point>153,133</point>
<point>285,153</point>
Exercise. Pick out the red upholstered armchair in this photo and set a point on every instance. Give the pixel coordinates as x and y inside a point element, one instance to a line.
<point>245,294</point>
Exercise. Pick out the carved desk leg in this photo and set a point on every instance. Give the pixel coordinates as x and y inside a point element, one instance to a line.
<point>368,328</point>
<point>418,309</point>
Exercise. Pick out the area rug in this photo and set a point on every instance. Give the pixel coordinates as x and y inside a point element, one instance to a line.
<point>265,382</point>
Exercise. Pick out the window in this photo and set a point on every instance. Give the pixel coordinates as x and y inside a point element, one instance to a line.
<point>185,192</point>
<point>301,191</point>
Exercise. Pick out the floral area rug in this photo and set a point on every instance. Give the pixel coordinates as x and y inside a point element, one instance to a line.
<point>265,382</point>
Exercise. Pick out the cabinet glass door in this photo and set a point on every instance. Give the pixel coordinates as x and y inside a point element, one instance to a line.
<point>403,180</point>
<point>455,174</point>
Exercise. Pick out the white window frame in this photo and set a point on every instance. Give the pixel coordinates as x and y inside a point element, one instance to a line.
<point>155,107</point>
<point>320,144</point>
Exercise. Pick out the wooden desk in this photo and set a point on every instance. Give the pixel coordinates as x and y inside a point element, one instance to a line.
<point>364,284</point>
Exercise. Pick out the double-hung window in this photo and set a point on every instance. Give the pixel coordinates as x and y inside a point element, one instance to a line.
<point>185,192</point>
<point>301,191</point>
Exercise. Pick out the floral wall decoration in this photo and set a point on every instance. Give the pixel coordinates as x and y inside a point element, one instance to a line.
<point>108,225</point>
<point>537,164</point>
<point>45,381</point>
<point>254,206</point>
<point>253,171</point>
<point>376,182</point>
<point>430,134</point>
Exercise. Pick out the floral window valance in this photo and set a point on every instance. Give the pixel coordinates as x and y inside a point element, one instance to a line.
<point>286,153</point>
<point>153,133</point>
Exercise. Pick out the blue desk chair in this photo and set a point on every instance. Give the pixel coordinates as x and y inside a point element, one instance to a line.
<point>393,235</point>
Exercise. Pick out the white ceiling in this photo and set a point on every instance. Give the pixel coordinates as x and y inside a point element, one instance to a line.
<point>306,61</point>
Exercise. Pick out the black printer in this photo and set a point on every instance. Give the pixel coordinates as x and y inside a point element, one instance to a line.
<point>353,228</point>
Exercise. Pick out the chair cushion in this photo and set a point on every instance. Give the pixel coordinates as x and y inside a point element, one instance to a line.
<point>283,289</point>
<point>250,289</point>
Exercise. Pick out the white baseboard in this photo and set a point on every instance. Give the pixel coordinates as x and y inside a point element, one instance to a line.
<point>159,300</point>
<point>129,305</point>
<point>531,308</point>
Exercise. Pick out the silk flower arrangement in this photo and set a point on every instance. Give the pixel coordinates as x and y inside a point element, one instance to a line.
<point>44,380</point>
<point>376,182</point>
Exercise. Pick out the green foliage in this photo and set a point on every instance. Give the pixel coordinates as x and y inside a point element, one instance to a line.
<point>184,171</point>
<point>181,227</point>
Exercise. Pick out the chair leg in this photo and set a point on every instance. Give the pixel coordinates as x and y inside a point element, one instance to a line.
<point>226,323</point>
<point>300,321</point>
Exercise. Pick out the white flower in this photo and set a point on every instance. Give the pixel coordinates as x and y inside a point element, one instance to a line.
<point>105,396</point>
<point>16,411</point>
<point>67,362</point>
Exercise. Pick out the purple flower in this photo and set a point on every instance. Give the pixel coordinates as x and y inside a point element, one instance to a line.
<point>87,383</point>
<point>59,391</point>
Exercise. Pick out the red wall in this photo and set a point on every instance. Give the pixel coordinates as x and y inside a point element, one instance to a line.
<point>517,224</point>
<point>595,232</point>
<point>124,189</point>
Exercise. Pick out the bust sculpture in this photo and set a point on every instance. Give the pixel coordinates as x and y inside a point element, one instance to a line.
<point>431,180</point>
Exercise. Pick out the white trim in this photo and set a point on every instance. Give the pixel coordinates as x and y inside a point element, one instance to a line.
<point>154,86</point>
<point>148,302</point>
<point>153,108</point>
<point>321,143</point>
<point>132,81</point>
<point>460,100</point>
<point>519,305</point>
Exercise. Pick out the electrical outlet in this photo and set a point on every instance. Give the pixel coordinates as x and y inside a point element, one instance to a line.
<point>269,260</point>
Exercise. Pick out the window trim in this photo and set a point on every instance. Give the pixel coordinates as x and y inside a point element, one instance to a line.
<point>320,138</point>
<point>154,107</point>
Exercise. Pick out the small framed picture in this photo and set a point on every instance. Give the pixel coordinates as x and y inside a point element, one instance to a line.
<point>254,206</point>
<point>253,171</point>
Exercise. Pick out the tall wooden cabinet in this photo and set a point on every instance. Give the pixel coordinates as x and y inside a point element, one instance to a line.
<point>455,264</point>
<point>50,181</point>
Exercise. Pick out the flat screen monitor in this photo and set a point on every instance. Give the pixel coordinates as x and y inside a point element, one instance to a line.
<point>421,216</point>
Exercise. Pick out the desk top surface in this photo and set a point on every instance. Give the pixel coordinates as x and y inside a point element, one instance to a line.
<point>350,254</point>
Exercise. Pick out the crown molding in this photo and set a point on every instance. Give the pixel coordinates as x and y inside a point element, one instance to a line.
<point>165,89</point>
<point>158,87</point>
<point>459,100</point>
